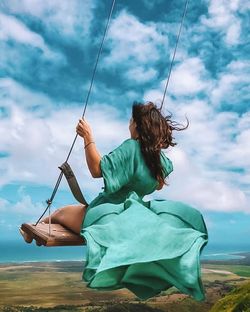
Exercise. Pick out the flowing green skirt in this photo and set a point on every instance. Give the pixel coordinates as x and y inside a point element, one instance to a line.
<point>145,247</point>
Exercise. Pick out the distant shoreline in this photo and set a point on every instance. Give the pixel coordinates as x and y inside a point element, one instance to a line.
<point>57,262</point>
<point>240,261</point>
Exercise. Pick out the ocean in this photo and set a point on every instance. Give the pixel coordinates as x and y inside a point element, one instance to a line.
<point>19,251</point>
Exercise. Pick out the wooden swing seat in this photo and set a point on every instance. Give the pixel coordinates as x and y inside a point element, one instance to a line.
<point>58,235</point>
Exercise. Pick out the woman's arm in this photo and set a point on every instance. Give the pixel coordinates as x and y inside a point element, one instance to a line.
<point>92,155</point>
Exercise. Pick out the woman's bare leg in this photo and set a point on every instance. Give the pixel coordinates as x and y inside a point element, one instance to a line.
<point>70,216</point>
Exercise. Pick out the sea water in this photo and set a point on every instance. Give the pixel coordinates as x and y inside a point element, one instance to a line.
<point>224,252</point>
<point>19,251</point>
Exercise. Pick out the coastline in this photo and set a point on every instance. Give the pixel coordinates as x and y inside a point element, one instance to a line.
<point>244,260</point>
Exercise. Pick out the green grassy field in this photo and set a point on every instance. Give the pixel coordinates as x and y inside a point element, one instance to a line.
<point>56,284</point>
<point>241,270</point>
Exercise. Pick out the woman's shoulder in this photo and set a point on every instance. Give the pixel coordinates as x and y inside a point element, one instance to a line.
<point>129,144</point>
<point>131,141</point>
<point>126,147</point>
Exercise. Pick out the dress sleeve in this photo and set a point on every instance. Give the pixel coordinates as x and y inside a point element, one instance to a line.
<point>167,164</point>
<point>118,166</point>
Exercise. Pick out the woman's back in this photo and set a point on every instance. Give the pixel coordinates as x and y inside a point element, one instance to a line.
<point>124,170</point>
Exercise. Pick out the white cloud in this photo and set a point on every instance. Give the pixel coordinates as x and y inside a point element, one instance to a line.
<point>232,84</point>
<point>13,92</point>
<point>38,145</point>
<point>154,95</point>
<point>223,16</point>
<point>207,152</point>
<point>141,74</point>
<point>233,33</point>
<point>26,207</point>
<point>70,19</point>
<point>12,28</point>
<point>189,77</point>
<point>23,207</point>
<point>136,47</point>
<point>131,39</point>
<point>216,137</point>
<point>189,183</point>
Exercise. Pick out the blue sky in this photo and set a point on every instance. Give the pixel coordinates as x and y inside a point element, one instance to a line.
<point>48,49</point>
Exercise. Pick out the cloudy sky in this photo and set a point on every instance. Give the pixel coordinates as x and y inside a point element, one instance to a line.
<point>48,50</point>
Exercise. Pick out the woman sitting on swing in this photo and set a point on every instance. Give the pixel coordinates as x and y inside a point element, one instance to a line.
<point>145,246</point>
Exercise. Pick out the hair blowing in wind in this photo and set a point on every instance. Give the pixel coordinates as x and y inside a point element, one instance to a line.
<point>155,133</point>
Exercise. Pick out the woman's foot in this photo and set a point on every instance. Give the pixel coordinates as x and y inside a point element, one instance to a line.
<point>28,239</point>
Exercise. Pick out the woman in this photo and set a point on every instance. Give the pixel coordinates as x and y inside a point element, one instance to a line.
<point>145,246</point>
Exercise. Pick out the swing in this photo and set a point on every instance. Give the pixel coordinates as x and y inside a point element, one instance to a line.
<point>51,234</point>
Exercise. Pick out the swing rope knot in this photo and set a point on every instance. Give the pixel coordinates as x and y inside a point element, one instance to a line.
<point>49,202</point>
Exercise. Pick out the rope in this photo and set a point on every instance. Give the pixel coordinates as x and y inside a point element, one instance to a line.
<point>173,58</point>
<point>49,201</point>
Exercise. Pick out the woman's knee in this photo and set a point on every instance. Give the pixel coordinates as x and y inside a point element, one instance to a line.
<point>59,214</point>
<point>70,211</point>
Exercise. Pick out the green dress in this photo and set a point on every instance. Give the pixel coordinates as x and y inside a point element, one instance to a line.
<point>144,246</point>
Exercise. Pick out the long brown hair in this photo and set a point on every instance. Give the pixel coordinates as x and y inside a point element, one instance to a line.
<point>155,133</point>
